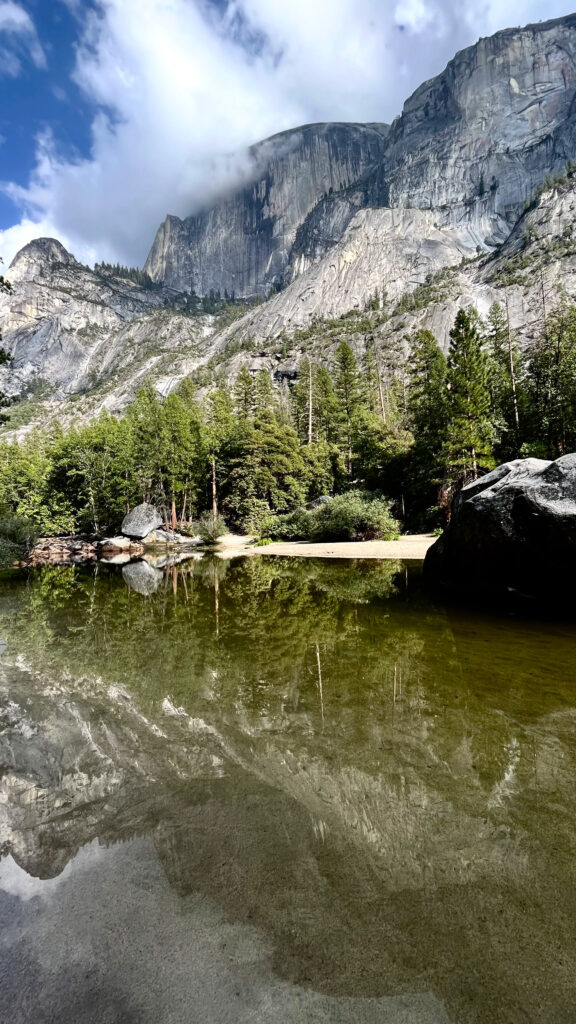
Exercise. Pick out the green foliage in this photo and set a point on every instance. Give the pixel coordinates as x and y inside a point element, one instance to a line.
<point>427,408</point>
<point>504,371</point>
<point>355,515</point>
<point>469,429</point>
<point>413,428</point>
<point>210,528</point>
<point>436,288</point>
<point>551,384</point>
<point>17,538</point>
<point>297,525</point>
<point>135,274</point>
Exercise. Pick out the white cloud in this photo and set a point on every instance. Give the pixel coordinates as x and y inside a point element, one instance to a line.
<point>182,85</point>
<point>18,40</point>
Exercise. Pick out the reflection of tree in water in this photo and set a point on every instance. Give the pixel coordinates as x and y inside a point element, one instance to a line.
<point>270,618</point>
<point>364,825</point>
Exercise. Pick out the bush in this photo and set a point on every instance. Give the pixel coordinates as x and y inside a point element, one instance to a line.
<point>357,515</point>
<point>17,538</point>
<point>295,525</point>
<point>210,527</point>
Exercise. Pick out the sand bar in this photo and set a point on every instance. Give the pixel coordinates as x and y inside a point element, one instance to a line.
<point>411,546</point>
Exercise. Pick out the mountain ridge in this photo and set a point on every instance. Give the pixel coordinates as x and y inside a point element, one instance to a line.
<point>334,225</point>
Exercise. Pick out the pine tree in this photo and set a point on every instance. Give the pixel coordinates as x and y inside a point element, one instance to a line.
<point>244,392</point>
<point>350,393</point>
<point>427,390</point>
<point>552,385</point>
<point>503,380</point>
<point>263,393</point>
<point>219,426</point>
<point>427,409</point>
<point>469,425</point>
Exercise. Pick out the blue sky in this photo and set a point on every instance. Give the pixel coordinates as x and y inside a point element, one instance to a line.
<point>117,112</point>
<point>40,97</point>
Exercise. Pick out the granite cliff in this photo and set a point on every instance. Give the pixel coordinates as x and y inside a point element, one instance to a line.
<point>447,204</point>
<point>471,145</point>
<point>242,245</point>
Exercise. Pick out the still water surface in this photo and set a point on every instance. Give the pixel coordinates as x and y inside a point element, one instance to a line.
<point>282,791</point>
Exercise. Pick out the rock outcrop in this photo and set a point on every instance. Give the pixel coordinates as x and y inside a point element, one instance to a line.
<point>332,213</point>
<point>514,529</point>
<point>141,521</point>
<point>471,145</point>
<point>59,313</point>
<point>474,142</point>
<point>242,245</point>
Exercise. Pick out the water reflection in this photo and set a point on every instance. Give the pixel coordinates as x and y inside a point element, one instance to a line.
<point>385,788</point>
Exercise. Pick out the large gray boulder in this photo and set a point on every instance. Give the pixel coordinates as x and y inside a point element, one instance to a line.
<point>513,529</point>
<point>141,521</point>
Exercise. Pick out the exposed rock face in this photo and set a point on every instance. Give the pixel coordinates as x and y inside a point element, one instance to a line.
<point>382,249</point>
<point>60,313</point>
<point>141,521</point>
<point>471,144</point>
<point>332,212</point>
<point>243,244</point>
<point>474,142</point>
<point>514,528</point>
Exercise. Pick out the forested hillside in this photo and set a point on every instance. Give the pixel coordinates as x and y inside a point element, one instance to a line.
<point>412,431</point>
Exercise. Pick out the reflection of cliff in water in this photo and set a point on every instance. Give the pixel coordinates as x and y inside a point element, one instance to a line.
<point>331,770</point>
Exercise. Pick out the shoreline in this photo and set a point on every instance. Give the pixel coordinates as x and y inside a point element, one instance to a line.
<point>79,551</point>
<point>413,546</point>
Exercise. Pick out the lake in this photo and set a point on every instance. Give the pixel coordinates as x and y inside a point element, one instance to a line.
<point>282,790</point>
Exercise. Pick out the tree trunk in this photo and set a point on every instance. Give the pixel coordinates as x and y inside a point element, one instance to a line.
<point>309,403</point>
<point>512,376</point>
<point>381,395</point>
<point>214,496</point>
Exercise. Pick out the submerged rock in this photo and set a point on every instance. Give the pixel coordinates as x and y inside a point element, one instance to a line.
<point>513,529</point>
<point>141,521</point>
<point>142,577</point>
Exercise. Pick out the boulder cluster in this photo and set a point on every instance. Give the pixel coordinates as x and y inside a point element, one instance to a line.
<point>141,530</point>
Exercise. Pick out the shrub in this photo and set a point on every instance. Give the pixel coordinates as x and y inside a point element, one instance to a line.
<point>17,538</point>
<point>210,527</point>
<point>295,525</point>
<point>356,515</point>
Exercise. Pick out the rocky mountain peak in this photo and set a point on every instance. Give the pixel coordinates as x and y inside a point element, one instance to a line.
<point>44,251</point>
<point>474,142</point>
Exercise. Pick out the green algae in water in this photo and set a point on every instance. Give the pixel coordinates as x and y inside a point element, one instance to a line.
<point>384,787</point>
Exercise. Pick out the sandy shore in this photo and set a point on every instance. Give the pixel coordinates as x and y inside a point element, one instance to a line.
<point>413,546</point>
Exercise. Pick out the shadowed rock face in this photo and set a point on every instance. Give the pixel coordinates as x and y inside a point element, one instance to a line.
<point>242,244</point>
<point>514,528</point>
